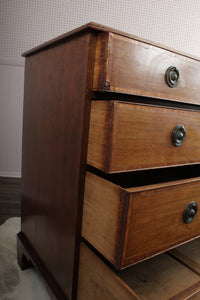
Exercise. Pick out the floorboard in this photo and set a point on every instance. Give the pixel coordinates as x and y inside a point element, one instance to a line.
<point>9,198</point>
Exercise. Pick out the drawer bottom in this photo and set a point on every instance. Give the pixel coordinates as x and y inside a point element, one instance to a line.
<point>162,277</point>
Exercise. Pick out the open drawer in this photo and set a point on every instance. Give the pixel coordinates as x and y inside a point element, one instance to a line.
<point>161,277</point>
<point>128,225</point>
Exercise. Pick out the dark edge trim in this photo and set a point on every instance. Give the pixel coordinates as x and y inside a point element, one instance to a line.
<point>83,159</point>
<point>105,260</point>
<point>109,135</point>
<point>103,60</point>
<point>30,254</point>
<point>125,197</point>
<point>107,60</point>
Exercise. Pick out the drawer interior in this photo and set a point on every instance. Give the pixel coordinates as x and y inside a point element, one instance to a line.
<point>162,277</point>
<point>149,177</point>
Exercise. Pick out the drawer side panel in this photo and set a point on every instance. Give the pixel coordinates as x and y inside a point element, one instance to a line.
<point>97,280</point>
<point>104,217</point>
<point>100,134</point>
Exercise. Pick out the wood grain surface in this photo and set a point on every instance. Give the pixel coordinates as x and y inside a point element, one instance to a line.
<point>125,136</point>
<point>126,225</point>
<point>193,292</point>
<point>130,225</point>
<point>155,220</point>
<point>97,281</point>
<point>55,133</point>
<point>159,278</point>
<point>104,217</point>
<point>135,67</point>
<point>189,255</point>
<point>99,145</point>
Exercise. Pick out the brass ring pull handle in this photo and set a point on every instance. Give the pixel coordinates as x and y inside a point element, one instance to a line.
<point>178,135</point>
<point>172,77</point>
<point>190,212</point>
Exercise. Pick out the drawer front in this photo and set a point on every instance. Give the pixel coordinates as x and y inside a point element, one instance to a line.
<point>130,225</point>
<point>130,66</point>
<point>126,136</point>
<point>155,220</point>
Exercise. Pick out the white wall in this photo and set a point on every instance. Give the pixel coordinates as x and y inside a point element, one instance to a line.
<point>27,23</point>
<point>11,101</point>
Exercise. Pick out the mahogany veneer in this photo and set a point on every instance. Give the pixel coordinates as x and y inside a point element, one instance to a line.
<point>130,66</point>
<point>127,136</point>
<point>55,129</point>
<point>130,129</point>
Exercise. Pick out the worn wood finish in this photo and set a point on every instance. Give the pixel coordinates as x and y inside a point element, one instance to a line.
<point>126,136</point>
<point>125,225</point>
<point>191,293</point>
<point>104,217</point>
<point>55,130</point>
<point>185,260</point>
<point>159,278</point>
<point>141,71</point>
<point>130,225</point>
<point>97,281</point>
<point>189,255</point>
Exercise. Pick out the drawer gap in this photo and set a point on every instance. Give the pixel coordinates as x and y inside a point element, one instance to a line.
<point>107,95</point>
<point>149,177</point>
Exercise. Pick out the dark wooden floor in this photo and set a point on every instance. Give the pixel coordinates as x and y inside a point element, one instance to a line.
<point>9,198</point>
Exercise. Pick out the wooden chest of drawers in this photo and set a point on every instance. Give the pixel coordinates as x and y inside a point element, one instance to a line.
<point>111,158</point>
